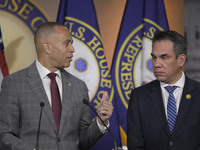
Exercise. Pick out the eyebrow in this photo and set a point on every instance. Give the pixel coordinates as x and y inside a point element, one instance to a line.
<point>162,55</point>
<point>68,41</point>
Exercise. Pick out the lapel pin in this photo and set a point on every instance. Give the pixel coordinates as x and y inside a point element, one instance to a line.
<point>69,84</point>
<point>188,96</point>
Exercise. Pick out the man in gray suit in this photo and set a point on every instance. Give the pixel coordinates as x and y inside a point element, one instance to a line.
<point>23,91</point>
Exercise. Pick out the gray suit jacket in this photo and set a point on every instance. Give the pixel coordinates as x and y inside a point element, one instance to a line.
<point>20,98</point>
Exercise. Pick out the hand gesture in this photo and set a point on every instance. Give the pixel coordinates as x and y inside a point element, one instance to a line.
<point>105,109</point>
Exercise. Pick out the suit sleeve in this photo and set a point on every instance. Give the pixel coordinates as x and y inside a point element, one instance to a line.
<point>10,118</point>
<point>90,133</point>
<point>135,138</point>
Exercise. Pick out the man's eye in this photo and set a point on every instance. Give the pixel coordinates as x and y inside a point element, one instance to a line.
<point>67,43</point>
<point>164,57</point>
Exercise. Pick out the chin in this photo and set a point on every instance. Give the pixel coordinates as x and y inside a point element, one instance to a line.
<point>66,65</point>
<point>161,79</point>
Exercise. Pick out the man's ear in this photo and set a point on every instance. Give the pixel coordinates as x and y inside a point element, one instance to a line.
<point>46,47</point>
<point>181,59</point>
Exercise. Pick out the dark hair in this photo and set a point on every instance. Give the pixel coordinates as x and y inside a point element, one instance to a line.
<point>180,42</point>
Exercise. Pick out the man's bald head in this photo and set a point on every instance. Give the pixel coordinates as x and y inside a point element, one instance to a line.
<point>44,31</point>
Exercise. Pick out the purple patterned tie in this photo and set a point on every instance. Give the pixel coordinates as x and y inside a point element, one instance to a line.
<point>55,99</point>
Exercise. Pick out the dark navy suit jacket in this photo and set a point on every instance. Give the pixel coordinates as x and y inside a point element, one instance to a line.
<point>147,127</point>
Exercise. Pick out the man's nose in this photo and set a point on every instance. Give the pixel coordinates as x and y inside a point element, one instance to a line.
<point>72,48</point>
<point>156,62</point>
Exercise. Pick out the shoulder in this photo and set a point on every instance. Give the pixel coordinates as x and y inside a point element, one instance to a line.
<point>15,81</point>
<point>21,74</point>
<point>70,78</point>
<point>190,83</point>
<point>151,85</point>
<point>144,91</point>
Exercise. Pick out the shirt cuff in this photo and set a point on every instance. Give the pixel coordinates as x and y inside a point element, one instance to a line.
<point>103,129</point>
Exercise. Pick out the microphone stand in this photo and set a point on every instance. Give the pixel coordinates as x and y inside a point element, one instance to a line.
<point>38,133</point>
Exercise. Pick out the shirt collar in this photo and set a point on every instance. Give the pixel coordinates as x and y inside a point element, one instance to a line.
<point>180,83</point>
<point>44,71</point>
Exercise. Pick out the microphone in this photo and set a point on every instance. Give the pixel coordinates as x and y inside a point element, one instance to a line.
<point>85,101</point>
<point>38,132</point>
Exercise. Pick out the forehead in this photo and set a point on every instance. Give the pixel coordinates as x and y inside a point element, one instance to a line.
<point>163,46</point>
<point>63,32</point>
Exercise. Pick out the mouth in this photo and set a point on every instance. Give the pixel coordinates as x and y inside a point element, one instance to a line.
<point>70,58</point>
<point>157,73</point>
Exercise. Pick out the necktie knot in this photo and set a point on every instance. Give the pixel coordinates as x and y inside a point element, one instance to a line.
<point>170,89</point>
<point>52,75</point>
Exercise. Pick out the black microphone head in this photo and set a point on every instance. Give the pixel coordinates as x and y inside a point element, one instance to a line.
<point>85,101</point>
<point>42,104</point>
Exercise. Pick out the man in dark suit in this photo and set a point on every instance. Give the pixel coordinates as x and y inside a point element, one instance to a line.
<point>165,113</point>
<point>69,126</point>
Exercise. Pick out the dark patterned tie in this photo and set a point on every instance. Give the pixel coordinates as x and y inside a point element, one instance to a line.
<point>55,99</point>
<point>171,108</point>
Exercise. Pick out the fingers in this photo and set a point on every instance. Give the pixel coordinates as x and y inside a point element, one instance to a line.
<point>105,111</point>
<point>105,108</point>
<point>105,95</point>
<point>104,98</point>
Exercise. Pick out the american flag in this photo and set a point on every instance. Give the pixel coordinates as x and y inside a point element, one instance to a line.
<point>3,66</point>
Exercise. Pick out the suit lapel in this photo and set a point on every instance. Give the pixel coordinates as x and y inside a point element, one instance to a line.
<point>66,98</point>
<point>157,100</point>
<point>185,103</point>
<point>37,87</point>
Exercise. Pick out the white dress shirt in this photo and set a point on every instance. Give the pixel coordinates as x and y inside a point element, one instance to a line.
<point>177,92</point>
<point>46,80</point>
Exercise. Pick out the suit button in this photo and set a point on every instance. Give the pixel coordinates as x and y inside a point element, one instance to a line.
<point>59,139</point>
<point>171,143</point>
